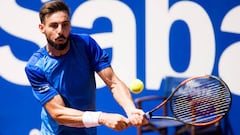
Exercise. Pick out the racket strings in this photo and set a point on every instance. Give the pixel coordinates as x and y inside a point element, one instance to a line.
<point>203,100</point>
<point>219,105</point>
<point>201,109</point>
<point>184,116</point>
<point>202,116</point>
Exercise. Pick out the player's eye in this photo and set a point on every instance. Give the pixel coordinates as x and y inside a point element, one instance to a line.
<point>65,24</point>
<point>54,25</point>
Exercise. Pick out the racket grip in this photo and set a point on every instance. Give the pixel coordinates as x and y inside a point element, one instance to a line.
<point>148,115</point>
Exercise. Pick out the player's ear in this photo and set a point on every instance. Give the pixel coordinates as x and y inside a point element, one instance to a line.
<point>41,27</point>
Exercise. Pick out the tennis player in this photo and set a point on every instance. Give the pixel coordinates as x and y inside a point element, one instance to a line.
<point>62,77</point>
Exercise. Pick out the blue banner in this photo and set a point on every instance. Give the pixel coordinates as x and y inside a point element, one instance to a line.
<point>147,39</point>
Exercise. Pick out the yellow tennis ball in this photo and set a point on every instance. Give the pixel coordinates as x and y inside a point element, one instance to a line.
<point>136,86</point>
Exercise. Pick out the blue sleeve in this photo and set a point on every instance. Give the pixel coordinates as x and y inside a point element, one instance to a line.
<point>42,90</point>
<point>99,58</point>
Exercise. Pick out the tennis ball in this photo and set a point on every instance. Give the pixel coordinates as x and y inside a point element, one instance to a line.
<point>136,86</point>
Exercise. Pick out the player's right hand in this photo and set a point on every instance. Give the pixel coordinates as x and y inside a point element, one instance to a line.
<point>114,121</point>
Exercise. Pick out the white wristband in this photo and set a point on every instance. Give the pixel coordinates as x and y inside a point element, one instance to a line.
<point>90,119</point>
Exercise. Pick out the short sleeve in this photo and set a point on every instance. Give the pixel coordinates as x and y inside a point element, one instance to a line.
<point>99,58</point>
<point>42,90</point>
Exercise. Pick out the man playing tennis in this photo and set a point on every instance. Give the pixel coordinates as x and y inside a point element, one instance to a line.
<point>62,77</point>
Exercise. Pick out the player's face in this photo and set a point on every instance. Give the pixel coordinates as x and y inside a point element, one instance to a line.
<point>57,28</point>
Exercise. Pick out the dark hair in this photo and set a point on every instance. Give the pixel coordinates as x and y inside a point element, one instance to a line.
<point>52,7</point>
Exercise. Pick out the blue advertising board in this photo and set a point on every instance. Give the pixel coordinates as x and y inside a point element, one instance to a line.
<point>147,39</point>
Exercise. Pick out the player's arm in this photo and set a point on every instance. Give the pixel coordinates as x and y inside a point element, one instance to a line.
<point>122,95</point>
<point>76,118</point>
<point>55,106</point>
<point>64,115</point>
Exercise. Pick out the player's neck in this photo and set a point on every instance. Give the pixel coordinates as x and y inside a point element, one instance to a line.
<point>54,52</point>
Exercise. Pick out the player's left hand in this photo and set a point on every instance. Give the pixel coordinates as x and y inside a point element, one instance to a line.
<point>137,117</point>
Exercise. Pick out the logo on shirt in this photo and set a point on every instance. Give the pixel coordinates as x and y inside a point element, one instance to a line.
<point>43,89</point>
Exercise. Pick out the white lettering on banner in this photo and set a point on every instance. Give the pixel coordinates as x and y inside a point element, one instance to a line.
<point>229,68</point>
<point>158,23</point>
<point>43,1</point>
<point>34,132</point>
<point>26,29</point>
<point>159,19</point>
<point>8,66</point>
<point>122,39</point>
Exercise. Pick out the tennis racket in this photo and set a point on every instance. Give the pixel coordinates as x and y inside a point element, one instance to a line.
<point>197,101</point>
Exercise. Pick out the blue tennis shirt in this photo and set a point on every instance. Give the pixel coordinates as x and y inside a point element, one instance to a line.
<point>71,76</point>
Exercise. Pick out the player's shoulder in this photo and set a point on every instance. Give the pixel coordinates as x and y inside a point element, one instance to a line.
<point>37,56</point>
<point>82,37</point>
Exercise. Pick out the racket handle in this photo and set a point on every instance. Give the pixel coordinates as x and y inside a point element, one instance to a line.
<point>148,115</point>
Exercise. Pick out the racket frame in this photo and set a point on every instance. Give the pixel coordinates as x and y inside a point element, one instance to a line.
<point>149,114</point>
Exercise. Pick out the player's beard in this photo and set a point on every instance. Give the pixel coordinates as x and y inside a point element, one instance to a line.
<point>58,46</point>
